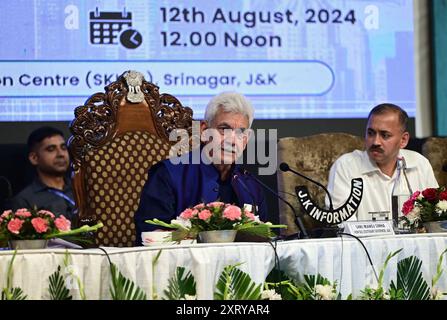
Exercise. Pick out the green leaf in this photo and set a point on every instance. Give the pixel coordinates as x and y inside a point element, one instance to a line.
<point>410,280</point>
<point>57,288</point>
<point>282,284</point>
<point>122,288</point>
<point>263,229</point>
<point>164,224</point>
<point>258,230</point>
<point>13,294</point>
<point>181,285</point>
<point>234,284</point>
<point>439,269</point>
<point>382,270</point>
<point>10,293</point>
<point>310,281</point>
<point>70,233</point>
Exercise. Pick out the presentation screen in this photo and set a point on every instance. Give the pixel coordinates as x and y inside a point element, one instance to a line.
<point>293,59</point>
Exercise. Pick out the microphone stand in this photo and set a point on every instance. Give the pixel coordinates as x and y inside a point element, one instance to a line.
<point>404,171</point>
<point>298,220</point>
<point>253,203</point>
<point>285,167</point>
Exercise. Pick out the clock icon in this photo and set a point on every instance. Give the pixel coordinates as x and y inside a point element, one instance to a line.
<point>131,39</point>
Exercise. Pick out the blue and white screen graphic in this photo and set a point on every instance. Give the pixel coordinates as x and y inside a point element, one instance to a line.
<point>293,59</point>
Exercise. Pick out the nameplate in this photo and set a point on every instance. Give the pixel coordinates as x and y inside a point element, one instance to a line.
<point>369,228</point>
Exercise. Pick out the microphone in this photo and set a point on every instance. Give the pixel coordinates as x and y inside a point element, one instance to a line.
<point>298,220</point>
<point>5,193</point>
<point>9,192</point>
<point>244,186</point>
<point>285,167</point>
<point>403,165</point>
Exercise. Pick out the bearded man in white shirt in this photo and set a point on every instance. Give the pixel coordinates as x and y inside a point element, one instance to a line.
<point>385,137</point>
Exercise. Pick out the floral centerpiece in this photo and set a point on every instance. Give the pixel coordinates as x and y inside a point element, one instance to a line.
<point>26,224</point>
<point>426,206</point>
<point>216,216</point>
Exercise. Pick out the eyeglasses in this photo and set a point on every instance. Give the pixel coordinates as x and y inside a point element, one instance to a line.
<point>240,133</point>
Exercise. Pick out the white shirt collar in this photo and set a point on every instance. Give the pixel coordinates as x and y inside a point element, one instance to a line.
<point>367,165</point>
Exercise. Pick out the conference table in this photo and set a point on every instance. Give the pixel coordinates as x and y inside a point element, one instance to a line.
<point>341,259</point>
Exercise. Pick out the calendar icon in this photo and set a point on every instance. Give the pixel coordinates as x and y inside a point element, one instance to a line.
<point>105,27</point>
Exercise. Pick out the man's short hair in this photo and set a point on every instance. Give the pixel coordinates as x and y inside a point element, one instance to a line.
<point>40,134</point>
<point>389,107</point>
<point>229,102</point>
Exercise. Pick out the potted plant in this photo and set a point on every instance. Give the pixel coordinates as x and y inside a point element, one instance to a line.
<point>216,222</point>
<point>427,210</point>
<point>32,228</point>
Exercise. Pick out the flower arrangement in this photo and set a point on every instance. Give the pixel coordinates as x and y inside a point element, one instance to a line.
<point>216,216</point>
<point>26,224</point>
<point>428,205</point>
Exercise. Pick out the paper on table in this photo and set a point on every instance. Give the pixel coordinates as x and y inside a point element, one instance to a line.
<point>61,243</point>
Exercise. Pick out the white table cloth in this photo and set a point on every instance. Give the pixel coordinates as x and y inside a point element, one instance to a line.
<point>338,259</point>
<point>33,267</point>
<point>344,259</point>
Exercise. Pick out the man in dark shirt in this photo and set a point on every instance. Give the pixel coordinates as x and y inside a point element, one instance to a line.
<point>50,190</point>
<point>206,174</point>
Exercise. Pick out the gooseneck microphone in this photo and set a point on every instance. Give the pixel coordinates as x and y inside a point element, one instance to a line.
<point>244,186</point>
<point>298,220</point>
<point>285,167</point>
<point>404,171</point>
<point>8,189</point>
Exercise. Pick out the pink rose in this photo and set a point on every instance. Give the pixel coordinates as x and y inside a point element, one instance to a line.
<point>232,213</point>
<point>415,195</point>
<point>408,206</point>
<point>46,213</point>
<point>6,213</point>
<point>15,225</point>
<point>215,204</point>
<point>188,213</point>
<point>199,206</point>
<point>62,223</point>
<point>23,213</point>
<point>204,214</point>
<point>40,225</point>
<point>249,215</point>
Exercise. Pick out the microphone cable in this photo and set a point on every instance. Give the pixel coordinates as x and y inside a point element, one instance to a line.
<point>277,266</point>
<point>341,265</point>
<point>366,251</point>
<point>286,192</point>
<point>107,254</point>
<point>350,235</point>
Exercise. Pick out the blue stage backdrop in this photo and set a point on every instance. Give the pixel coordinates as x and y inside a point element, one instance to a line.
<point>294,59</point>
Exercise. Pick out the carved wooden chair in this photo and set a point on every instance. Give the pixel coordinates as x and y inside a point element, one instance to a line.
<point>313,156</point>
<point>435,150</point>
<point>116,137</point>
